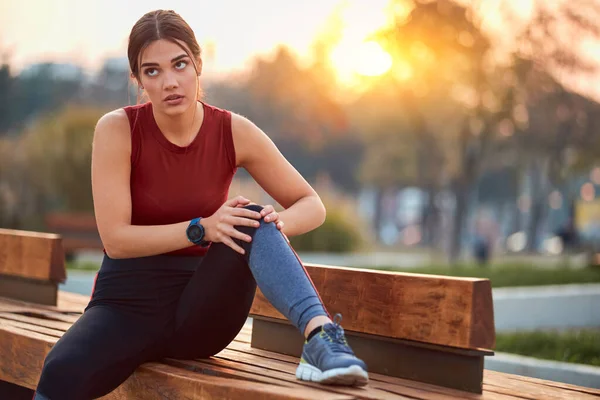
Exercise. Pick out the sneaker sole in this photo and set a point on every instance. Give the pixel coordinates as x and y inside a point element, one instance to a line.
<point>350,376</point>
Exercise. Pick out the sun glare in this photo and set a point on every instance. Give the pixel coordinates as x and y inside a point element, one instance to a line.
<point>363,58</point>
<point>356,55</point>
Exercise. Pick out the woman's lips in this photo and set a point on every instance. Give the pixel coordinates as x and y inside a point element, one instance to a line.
<point>174,100</point>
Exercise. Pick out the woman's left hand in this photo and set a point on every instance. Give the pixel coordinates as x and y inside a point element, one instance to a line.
<point>270,215</point>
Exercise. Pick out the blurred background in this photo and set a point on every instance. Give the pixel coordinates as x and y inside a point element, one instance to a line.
<point>448,137</point>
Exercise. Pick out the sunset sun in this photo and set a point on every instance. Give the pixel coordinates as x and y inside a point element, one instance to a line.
<point>366,58</point>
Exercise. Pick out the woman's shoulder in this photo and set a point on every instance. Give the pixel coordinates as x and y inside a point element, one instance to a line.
<point>113,119</point>
<point>113,127</point>
<point>216,110</point>
<point>122,117</point>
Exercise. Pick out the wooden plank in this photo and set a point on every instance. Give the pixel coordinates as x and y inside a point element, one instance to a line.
<point>32,255</point>
<point>61,326</point>
<point>73,298</point>
<point>238,370</point>
<point>229,364</point>
<point>553,384</point>
<point>32,328</point>
<point>496,382</point>
<point>22,355</point>
<point>14,305</point>
<point>30,290</point>
<point>441,310</point>
<point>155,381</point>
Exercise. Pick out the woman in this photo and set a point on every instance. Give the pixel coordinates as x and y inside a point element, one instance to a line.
<point>181,261</point>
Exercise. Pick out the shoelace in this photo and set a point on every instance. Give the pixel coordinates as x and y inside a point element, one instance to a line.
<point>336,334</point>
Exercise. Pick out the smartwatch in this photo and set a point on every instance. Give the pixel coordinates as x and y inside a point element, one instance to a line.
<point>195,233</point>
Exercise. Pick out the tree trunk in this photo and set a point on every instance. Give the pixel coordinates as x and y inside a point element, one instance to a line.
<point>461,194</point>
<point>430,218</point>
<point>378,213</point>
<point>539,196</point>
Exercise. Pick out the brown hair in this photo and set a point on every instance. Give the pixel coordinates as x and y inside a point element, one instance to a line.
<point>161,24</point>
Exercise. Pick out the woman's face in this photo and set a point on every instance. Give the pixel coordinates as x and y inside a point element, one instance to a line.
<point>168,76</point>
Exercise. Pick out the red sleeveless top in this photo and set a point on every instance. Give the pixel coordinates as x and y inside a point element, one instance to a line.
<point>171,184</point>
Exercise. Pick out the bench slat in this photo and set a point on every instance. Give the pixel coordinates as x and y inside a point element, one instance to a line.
<point>32,255</point>
<point>498,382</point>
<point>155,381</point>
<point>45,323</point>
<point>559,385</point>
<point>238,370</point>
<point>433,309</point>
<point>22,355</point>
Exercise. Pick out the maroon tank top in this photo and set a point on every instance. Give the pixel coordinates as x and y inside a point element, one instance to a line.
<point>171,184</point>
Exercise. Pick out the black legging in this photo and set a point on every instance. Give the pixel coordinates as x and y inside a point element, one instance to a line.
<point>147,308</point>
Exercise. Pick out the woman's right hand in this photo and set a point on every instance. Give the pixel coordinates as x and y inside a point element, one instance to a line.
<point>219,227</point>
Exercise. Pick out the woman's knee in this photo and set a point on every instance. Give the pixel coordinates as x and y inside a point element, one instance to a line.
<point>254,207</point>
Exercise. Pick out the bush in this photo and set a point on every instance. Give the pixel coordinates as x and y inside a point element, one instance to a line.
<point>339,233</point>
<point>513,275</point>
<point>582,347</point>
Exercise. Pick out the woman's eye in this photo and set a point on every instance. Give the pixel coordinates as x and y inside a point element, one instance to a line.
<point>181,64</point>
<point>151,72</point>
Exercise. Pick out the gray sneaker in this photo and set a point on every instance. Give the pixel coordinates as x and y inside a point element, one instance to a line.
<point>327,358</point>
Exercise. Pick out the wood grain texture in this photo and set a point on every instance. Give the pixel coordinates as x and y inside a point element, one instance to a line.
<point>155,381</point>
<point>32,255</point>
<point>22,355</point>
<point>250,373</point>
<point>482,328</point>
<point>537,381</point>
<point>433,309</point>
<point>534,389</point>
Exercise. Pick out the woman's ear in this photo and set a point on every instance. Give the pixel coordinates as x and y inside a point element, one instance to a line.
<point>136,80</point>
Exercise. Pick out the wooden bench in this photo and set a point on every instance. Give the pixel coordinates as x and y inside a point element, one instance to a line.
<point>78,231</point>
<point>397,322</point>
<point>31,266</point>
<point>434,329</point>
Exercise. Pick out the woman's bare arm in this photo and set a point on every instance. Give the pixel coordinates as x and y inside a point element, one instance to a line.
<point>256,152</point>
<point>111,168</point>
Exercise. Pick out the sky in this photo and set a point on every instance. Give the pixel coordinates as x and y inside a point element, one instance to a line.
<point>87,31</point>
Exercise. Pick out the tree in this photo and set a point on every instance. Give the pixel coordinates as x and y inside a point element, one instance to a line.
<point>49,165</point>
<point>7,83</point>
<point>295,106</point>
<point>440,58</point>
<point>552,123</point>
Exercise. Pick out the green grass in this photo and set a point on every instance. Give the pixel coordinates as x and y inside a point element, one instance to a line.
<point>582,347</point>
<point>514,275</point>
<point>82,266</point>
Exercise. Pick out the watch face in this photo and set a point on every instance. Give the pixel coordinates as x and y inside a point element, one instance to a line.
<point>195,233</point>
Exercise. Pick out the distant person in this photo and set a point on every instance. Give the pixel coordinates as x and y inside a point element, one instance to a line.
<point>481,249</point>
<point>182,262</point>
<point>568,235</point>
<point>485,232</point>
